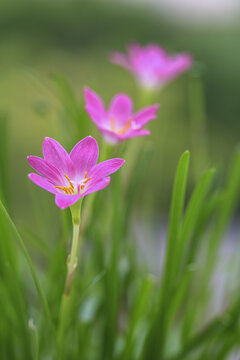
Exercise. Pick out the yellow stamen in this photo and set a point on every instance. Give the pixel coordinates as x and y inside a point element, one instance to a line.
<point>68,190</point>
<point>71,184</point>
<point>65,189</point>
<point>126,127</point>
<point>86,180</point>
<point>59,187</point>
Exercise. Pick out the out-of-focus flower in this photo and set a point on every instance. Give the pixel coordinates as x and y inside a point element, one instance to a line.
<point>72,176</point>
<point>151,65</point>
<point>118,122</point>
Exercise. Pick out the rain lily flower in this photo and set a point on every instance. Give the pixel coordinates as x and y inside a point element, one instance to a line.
<point>118,122</point>
<point>151,65</point>
<point>71,176</point>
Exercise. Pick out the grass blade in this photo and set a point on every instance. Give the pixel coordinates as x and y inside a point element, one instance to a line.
<point>192,213</point>
<point>28,260</point>
<point>155,342</point>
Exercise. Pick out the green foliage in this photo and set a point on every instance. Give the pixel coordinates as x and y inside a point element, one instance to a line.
<point>118,310</point>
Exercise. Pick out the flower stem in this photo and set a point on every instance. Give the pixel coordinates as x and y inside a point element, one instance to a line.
<point>105,150</point>
<point>145,97</point>
<point>72,263</point>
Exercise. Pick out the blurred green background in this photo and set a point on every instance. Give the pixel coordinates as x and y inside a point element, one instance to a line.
<point>74,38</point>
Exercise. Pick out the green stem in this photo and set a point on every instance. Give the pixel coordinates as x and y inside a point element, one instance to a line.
<point>105,150</point>
<point>145,97</point>
<point>72,263</point>
<point>73,255</point>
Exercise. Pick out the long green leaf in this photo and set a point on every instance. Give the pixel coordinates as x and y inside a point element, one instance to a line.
<point>229,200</point>
<point>28,260</point>
<point>192,213</point>
<point>112,274</point>
<point>139,309</point>
<point>173,243</point>
<point>155,342</point>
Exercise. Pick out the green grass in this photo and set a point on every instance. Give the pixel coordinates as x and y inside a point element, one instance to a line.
<point>121,312</point>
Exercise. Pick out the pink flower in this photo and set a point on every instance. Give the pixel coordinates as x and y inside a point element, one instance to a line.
<point>71,176</point>
<point>118,122</point>
<point>151,65</point>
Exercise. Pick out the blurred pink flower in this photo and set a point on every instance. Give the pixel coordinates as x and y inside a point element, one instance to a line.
<point>119,122</point>
<point>71,176</point>
<point>151,65</point>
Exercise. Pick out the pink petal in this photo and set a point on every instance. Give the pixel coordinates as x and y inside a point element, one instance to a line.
<point>94,106</point>
<point>46,170</point>
<point>143,116</point>
<point>114,138</point>
<point>120,59</point>
<point>63,201</point>
<point>106,168</point>
<point>99,185</point>
<point>156,50</point>
<point>136,133</point>
<point>43,183</point>
<point>110,136</point>
<point>121,109</point>
<point>57,156</point>
<point>179,64</point>
<point>84,155</point>
<point>134,49</point>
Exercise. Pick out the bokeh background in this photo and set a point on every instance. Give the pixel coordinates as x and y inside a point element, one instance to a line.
<point>50,50</point>
<point>41,41</point>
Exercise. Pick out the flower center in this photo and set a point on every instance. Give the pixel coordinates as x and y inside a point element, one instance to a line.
<point>70,190</point>
<point>123,130</point>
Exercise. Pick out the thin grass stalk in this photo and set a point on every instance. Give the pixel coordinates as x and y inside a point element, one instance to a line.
<point>72,263</point>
